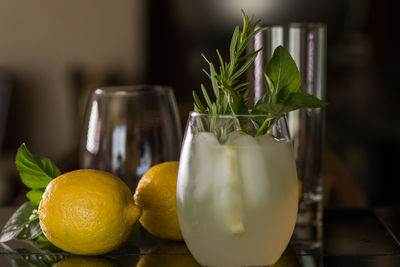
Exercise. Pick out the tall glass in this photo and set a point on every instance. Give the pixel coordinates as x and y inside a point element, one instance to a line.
<point>128,129</point>
<point>237,194</point>
<point>306,43</point>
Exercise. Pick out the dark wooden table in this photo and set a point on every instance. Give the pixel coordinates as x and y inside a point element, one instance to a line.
<point>352,237</point>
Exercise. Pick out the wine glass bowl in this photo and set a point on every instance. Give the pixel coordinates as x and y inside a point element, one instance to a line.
<point>128,129</point>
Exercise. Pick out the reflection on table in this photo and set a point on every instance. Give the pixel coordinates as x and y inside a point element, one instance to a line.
<point>353,237</point>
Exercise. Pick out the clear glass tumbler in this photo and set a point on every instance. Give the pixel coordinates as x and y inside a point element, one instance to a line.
<point>237,193</point>
<point>306,43</point>
<point>128,129</point>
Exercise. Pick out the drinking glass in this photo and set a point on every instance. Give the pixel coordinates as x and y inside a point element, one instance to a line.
<point>237,193</point>
<point>128,129</point>
<point>306,43</point>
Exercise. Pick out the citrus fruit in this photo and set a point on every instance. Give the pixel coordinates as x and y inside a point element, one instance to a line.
<point>288,259</point>
<point>155,194</point>
<point>87,212</point>
<point>300,187</point>
<point>168,255</point>
<point>83,261</point>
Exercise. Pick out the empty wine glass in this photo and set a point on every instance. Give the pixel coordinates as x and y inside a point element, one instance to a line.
<point>128,129</point>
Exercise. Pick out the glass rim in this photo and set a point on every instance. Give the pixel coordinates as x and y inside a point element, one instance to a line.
<point>298,25</point>
<point>194,114</point>
<point>132,90</point>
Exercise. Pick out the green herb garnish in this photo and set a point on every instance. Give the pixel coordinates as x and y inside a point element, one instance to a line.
<point>230,96</point>
<point>23,257</point>
<point>36,173</point>
<point>281,77</point>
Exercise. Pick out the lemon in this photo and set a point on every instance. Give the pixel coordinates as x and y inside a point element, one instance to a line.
<point>300,188</point>
<point>155,194</point>
<point>82,261</point>
<point>87,212</point>
<point>230,200</point>
<point>168,255</point>
<point>287,261</point>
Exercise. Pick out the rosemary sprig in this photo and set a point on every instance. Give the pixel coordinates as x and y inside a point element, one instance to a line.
<point>230,96</point>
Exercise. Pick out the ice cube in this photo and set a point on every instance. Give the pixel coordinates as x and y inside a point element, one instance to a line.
<point>239,138</point>
<point>203,161</point>
<point>252,168</point>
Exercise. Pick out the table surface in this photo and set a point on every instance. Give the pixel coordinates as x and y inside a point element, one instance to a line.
<point>352,237</point>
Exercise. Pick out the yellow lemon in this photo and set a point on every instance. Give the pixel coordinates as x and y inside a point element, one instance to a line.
<point>300,188</point>
<point>155,194</point>
<point>82,261</point>
<point>288,259</point>
<point>168,255</point>
<point>87,212</point>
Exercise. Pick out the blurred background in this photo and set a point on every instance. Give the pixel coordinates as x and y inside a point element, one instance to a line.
<point>53,52</point>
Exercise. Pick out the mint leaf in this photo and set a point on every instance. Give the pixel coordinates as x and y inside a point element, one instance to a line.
<point>304,100</point>
<point>35,172</point>
<point>35,196</point>
<point>282,71</point>
<point>17,223</point>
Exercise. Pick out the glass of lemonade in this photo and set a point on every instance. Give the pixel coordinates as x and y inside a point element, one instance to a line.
<point>237,194</point>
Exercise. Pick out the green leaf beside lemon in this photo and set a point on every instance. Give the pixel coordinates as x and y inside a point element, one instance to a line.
<point>36,173</point>
<point>59,204</point>
<point>58,214</point>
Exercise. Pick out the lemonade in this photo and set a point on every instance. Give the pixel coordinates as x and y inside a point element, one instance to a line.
<point>237,201</point>
<point>237,187</point>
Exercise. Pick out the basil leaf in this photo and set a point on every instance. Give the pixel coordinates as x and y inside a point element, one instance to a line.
<point>17,223</point>
<point>270,88</point>
<point>273,108</point>
<point>282,71</point>
<point>16,257</point>
<point>304,100</point>
<point>35,172</point>
<point>35,196</point>
<point>23,224</point>
<point>48,167</point>
<point>295,101</point>
<point>31,232</point>
<point>283,95</point>
<point>24,257</point>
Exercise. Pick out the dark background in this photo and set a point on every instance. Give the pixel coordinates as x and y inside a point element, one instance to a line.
<point>362,119</point>
<point>363,127</point>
